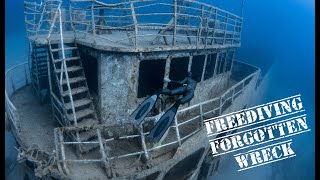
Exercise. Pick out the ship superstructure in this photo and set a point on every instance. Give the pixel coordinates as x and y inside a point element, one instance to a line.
<point>91,63</point>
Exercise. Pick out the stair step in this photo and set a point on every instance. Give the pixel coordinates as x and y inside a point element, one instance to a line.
<point>38,49</point>
<point>40,68</point>
<point>85,148</point>
<point>87,123</point>
<point>60,49</point>
<point>39,57</point>
<point>85,135</point>
<point>75,91</point>
<point>68,59</point>
<point>40,61</point>
<point>74,80</point>
<point>40,65</point>
<point>81,114</point>
<point>39,45</point>
<point>41,73</point>
<point>71,69</point>
<point>78,103</point>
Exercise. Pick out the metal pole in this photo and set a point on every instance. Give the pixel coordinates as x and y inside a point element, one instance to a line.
<point>200,25</point>
<point>25,73</point>
<point>175,23</point>
<point>242,5</point>
<point>134,18</point>
<point>93,22</point>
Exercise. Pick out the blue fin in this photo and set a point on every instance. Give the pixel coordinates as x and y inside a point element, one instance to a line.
<point>163,124</point>
<point>144,108</point>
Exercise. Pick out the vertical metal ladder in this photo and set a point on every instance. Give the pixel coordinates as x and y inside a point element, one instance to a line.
<point>39,71</point>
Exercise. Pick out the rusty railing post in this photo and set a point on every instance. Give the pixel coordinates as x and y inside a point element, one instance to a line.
<point>225,29</point>
<point>200,25</point>
<point>93,24</point>
<point>174,23</point>
<point>135,23</point>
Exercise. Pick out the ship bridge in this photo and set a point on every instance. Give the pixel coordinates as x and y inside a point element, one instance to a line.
<point>91,63</point>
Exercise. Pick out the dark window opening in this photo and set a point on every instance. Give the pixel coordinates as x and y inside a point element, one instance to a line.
<point>178,70</point>
<point>197,67</point>
<point>221,66</point>
<point>229,60</point>
<point>211,62</point>
<point>151,74</point>
<point>90,67</point>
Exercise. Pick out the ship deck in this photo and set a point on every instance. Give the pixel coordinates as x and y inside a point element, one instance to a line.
<point>36,121</point>
<point>36,128</point>
<point>119,41</point>
<point>36,125</point>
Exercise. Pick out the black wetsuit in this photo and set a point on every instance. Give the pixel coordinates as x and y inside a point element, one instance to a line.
<point>188,85</point>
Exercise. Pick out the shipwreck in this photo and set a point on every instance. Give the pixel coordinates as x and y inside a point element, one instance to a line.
<point>91,63</point>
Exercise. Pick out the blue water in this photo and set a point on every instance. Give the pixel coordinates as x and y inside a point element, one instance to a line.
<point>273,30</point>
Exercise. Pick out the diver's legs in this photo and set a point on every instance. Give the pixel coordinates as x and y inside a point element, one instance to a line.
<point>186,98</point>
<point>177,91</point>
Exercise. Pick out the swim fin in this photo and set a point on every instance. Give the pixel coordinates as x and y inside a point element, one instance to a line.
<point>163,124</point>
<point>144,108</point>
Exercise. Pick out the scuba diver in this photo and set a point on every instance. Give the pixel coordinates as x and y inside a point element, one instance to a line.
<point>186,88</point>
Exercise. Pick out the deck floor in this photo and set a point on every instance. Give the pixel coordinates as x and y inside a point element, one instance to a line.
<point>36,127</point>
<point>36,123</point>
<point>119,41</point>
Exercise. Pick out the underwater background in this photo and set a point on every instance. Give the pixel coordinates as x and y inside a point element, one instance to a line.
<point>277,36</point>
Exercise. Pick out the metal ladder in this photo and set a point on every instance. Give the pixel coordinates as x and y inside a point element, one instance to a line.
<point>70,96</point>
<point>38,69</point>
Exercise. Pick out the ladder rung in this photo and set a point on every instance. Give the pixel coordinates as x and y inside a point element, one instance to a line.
<point>81,114</point>
<point>41,65</point>
<point>39,57</point>
<point>87,122</point>
<point>59,49</point>
<point>41,74</point>
<point>40,51</point>
<point>74,80</point>
<point>75,91</point>
<point>71,69</point>
<point>39,46</point>
<point>84,136</point>
<point>68,59</point>
<point>78,103</point>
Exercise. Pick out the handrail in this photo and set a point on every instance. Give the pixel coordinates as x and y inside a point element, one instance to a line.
<point>10,108</point>
<point>218,26</point>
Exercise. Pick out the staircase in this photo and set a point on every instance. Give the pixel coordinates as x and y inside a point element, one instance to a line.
<point>39,69</point>
<point>71,100</point>
<point>72,76</point>
<point>73,91</point>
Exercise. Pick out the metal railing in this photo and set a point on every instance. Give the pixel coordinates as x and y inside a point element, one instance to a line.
<point>191,116</point>
<point>16,78</point>
<point>143,23</point>
<point>41,18</point>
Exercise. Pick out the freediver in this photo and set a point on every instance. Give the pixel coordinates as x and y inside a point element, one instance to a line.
<point>186,89</point>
